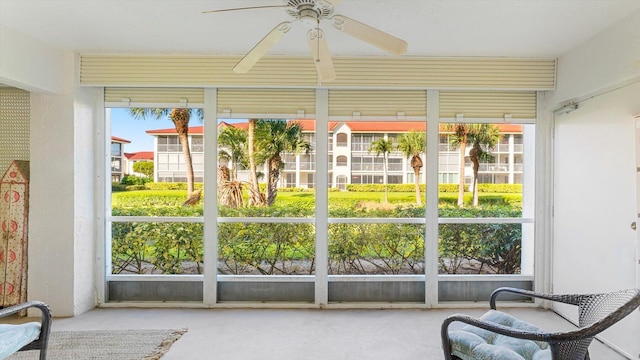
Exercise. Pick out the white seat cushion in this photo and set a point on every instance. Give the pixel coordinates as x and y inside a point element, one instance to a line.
<point>14,337</point>
<point>472,343</point>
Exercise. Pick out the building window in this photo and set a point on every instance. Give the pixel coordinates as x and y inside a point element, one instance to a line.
<point>307,162</point>
<point>116,149</point>
<point>116,164</point>
<point>341,182</point>
<point>342,140</point>
<point>168,143</point>
<point>395,164</point>
<point>362,142</point>
<point>197,143</point>
<point>341,160</point>
<point>289,161</point>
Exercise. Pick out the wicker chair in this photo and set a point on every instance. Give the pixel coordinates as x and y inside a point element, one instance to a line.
<point>597,312</point>
<point>28,336</point>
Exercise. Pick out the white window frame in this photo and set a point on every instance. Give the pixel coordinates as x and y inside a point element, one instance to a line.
<point>210,278</point>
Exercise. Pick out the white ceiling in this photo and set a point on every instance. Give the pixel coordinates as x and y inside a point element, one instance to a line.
<point>513,28</point>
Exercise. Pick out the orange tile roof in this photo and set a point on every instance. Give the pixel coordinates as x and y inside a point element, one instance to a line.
<point>192,129</point>
<point>121,140</point>
<point>140,155</point>
<point>356,126</point>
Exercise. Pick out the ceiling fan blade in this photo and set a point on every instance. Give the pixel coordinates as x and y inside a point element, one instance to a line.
<point>370,34</point>
<point>321,56</point>
<point>245,8</point>
<point>261,48</point>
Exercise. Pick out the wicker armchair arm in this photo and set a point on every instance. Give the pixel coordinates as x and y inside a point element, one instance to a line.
<point>45,324</point>
<point>14,309</point>
<point>567,299</point>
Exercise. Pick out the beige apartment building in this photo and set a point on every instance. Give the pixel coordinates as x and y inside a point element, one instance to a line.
<point>350,161</point>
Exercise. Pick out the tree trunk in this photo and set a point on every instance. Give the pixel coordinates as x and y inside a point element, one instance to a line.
<point>274,175</point>
<point>255,198</point>
<point>180,118</point>
<point>384,181</point>
<point>416,164</point>
<point>474,154</point>
<point>463,149</point>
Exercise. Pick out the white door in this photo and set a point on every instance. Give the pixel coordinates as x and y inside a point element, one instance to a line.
<point>636,224</point>
<point>595,203</point>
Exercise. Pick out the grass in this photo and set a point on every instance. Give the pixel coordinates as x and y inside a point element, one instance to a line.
<point>336,198</point>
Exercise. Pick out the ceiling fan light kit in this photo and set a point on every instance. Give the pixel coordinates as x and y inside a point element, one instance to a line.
<point>311,13</point>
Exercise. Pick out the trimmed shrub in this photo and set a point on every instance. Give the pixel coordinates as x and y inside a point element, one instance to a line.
<point>117,187</point>
<point>296,189</point>
<point>134,180</point>
<point>171,186</point>
<point>500,188</point>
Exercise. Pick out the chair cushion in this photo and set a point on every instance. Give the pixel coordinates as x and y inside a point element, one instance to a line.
<point>472,343</point>
<point>14,337</point>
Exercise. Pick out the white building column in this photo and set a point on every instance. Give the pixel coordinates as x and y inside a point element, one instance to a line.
<point>63,220</point>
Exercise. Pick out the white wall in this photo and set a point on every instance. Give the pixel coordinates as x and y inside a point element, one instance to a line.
<point>594,248</point>
<point>29,64</point>
<point>62,212</point>
<point>606,61</point>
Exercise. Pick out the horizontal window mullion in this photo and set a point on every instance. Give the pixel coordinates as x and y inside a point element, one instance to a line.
<point>419,220</point>
<point>487,220</point>
<point>285,220</point>
<point>176,219</point>
<point>266,220</point>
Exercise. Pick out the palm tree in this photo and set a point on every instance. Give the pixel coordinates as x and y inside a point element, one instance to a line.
<point>484,137</point>
<point>180,118</point>
<point>255,196</point>
<point>384,147</point>
<point>412,144</point>
<point>275,137</point>
<point>459,140</point>
<point>234,143</point>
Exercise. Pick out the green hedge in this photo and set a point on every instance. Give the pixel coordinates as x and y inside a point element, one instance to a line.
<point>117,187</point>
<point>500,188</point>
<point>171,185</point>
<point>446,188</point>
<point>281,248</point>
<point>443,188</point>
<point>135,180</point>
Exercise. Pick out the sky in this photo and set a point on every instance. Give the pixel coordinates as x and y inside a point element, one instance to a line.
<point>128,128</point>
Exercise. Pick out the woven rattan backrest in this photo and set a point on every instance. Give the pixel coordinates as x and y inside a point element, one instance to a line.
<point>596,307</point>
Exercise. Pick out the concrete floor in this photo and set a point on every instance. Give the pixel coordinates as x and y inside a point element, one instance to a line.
<point>296,334</point>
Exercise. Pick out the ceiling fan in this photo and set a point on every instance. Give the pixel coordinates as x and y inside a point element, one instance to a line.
<point>310,13</point>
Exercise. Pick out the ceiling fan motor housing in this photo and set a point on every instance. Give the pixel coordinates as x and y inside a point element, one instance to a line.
<point>310,10</point>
